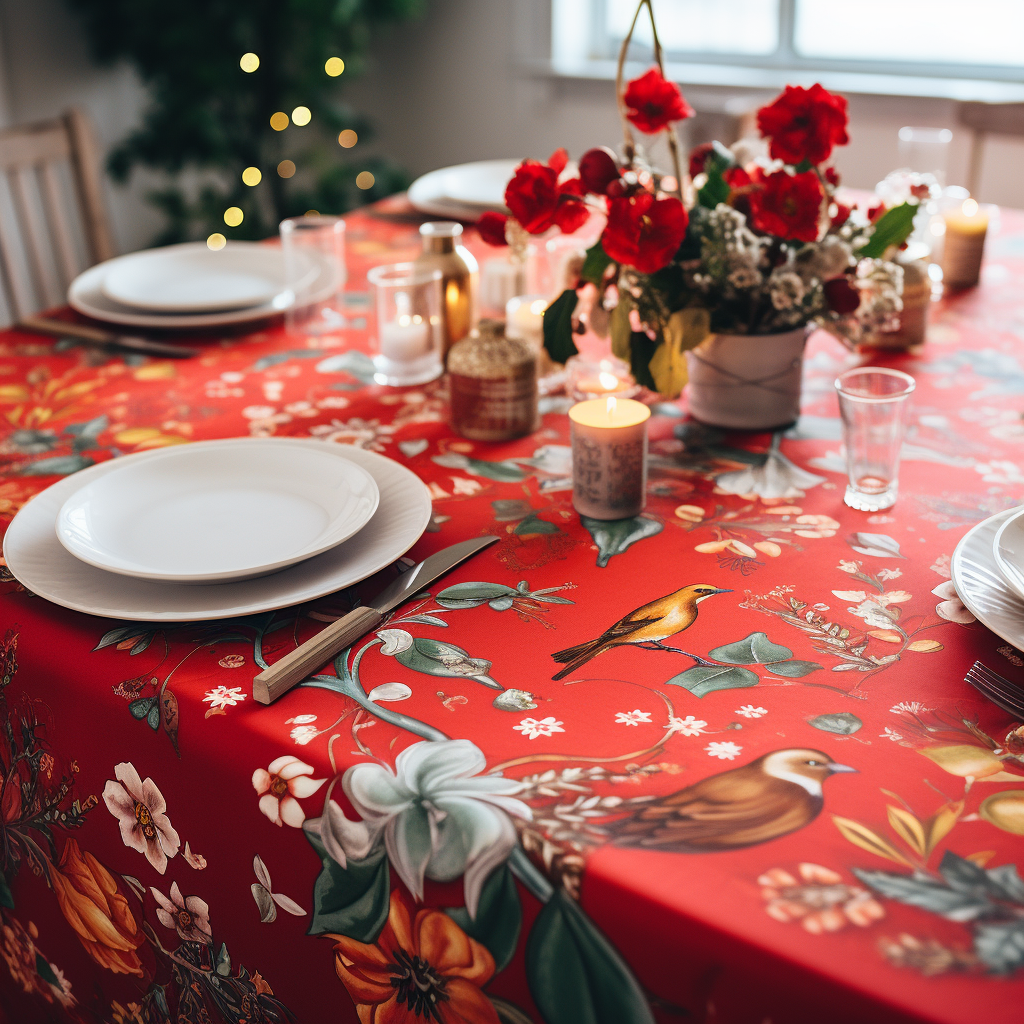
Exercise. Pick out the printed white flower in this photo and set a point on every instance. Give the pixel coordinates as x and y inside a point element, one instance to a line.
<point>533,728</point>
<point>941,565</point>
<point>951,607</point>
<point>871,607</point>
<point>999,471</point>
<point>850,567</point>
<point>281,785</point>
<point>889,574</point>
<point>224,696</point>
<point>632,717</point>
<point>140,810</point>
<point>688,726</point>
<point>302,734</point>
<point>258,412</point>
<point>188,915</point>
<point>890,734</point>
<point>463,485</point>
<point>300,720</point>
<point>395,641</point>
<point>749,711</point>
<point>724,750</point>
<point>912,707</point>
<point>438,816</point>
<point>390,692</point>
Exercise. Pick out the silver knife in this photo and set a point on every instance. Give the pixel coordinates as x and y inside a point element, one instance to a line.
<point>296,666</point>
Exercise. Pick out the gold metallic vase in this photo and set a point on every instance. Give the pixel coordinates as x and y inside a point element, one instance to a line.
<point>443,250</point>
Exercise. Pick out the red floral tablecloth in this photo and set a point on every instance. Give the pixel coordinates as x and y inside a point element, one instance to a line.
<point>433,829</point>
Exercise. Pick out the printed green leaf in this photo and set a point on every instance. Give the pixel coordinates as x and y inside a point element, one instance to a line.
<point>755,649</point>
<point>595,264</point>
<point>1001,946</point>
<point>153,717</point>
<point>475,592</point>
<point>499,917</point>
<point>892,228</point>
<point>926,894</point>
<point>558,327</point>
<point>223,961</point>
<point>613,536</point>
<point>575,975</point>
<point>141,707</point>
<point>704,679</point>
<point>966,876</point>
<point>503,472</point>
<point>6,896</point>
<point>353,900</point>
<point>115,636</point>
<point>793,669</point>
<point>509,1013</point>
<point>58,465</point>
<point>842,723</point>
<point>45,971</point>
<point>1007,878</point>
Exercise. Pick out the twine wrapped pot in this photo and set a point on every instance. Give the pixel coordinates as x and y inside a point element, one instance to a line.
<point>746,381</point>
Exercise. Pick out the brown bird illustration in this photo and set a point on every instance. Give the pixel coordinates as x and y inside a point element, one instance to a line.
<point>645,626</point>
<point>770,797</point>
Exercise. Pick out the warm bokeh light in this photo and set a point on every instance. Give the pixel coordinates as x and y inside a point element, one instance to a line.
<point>279,121</point>
<point>312,213</point>
<point>334,66</point>
<point>233,216</point>
<point>364,179</point>
<point>249,62</point>
<point>347,139</point>
<point>216,241</point>
<point>301,116</point>
<point>970,207</point>
<point>252,176</point>
<point>286,168</point>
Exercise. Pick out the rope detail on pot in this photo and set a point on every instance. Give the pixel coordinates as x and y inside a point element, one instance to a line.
<point>764,383</point>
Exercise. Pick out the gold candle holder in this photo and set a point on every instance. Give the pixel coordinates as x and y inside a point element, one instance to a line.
<point>443,250</point>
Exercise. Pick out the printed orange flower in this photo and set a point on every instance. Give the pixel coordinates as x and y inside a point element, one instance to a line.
<point>420,969</point>
<point>820,900</point>
<point>99,914</point>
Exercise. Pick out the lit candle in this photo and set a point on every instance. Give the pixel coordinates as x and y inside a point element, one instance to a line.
<point>592,378</point>
<point>524,318</point>
<point>500,280</point>
<point>609,457</point>
<point>964,245</point>
<point>406,339</point>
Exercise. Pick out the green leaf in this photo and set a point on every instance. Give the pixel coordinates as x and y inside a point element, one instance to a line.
<point>755,649</point>
<point>704,679</point>
<point>476,592</point>
<point>1007,878</point>
<point>353,900</point>
<point>141,707</point>
<point>58,465</point>
<point>532,525</point>
<point>153,717</point>
<point>6,896</point>
<point>715,190</point>
<point>613,536</point>
<point>499,917</point>
<point>115,636</point>
<point>1001,946</point>
<point>575,975</point>
<point>509,1013</point>
<point>892,228</point>
<point>595,264</point>
<point>558,327</point>
<point>223,961</point>
<point>926,894</point>
<point>793,669</point>
<point>503,472</point>
<point>841,723</point>
<point>641,352</point>
<point>45,971</point>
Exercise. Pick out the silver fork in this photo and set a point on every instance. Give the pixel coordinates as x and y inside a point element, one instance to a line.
<point>1000,691</point>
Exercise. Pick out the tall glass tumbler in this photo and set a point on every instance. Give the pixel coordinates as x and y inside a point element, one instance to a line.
<point>408,327</point>
<point>873,402</point>
<point>925,150</point>
<point>314,263</point>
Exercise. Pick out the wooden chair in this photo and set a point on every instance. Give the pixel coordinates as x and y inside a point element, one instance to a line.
<point>53,222</point>
<point>988,119</point>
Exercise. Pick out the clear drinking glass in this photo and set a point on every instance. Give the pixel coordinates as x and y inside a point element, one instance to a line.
<point>314,262</point>
<point>925,150</point>
<point>406,308</point>
<point>873,405</point>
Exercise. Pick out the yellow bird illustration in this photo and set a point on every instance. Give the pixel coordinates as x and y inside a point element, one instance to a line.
<point>646,626</point>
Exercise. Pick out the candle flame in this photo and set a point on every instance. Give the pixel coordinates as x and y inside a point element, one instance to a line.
<point>610,406</point>
<point>405,319</point>
<point>538,306</point>
<point>970,207</point>
<point>608,381</point>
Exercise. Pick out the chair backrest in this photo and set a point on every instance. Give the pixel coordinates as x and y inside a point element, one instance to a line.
<point>988,119</point>
<point>53,222</point>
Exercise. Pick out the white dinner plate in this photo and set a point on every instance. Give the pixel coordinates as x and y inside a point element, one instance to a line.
<point>464,191</point>
<point>982,589</point>
<point>214,511</point>
<point>192,278</point>
<point>86,295</point>
<point>41,564</point>
<point>1008,550</point>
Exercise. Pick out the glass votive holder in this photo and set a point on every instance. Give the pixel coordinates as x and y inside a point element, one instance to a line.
<point>406,309</point>
<point>314,262</point>
<point>503,278</point>
<point>925,150</point>
<point>596,377</point>
<point>873,404</point>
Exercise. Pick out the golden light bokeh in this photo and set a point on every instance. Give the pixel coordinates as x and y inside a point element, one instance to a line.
<point>347,139</point>
<point>233,216</point>
<point>301,116</point>
<point>216,241</point>
<point>312,213</point>
<point>249,62</point>
<point>279,121</point>
<point>334,66</point>
<point>286,168</point>
<point>252,176</point>
<point>364,179</point>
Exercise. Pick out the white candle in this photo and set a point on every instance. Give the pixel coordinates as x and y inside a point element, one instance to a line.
<point>500,280</point>
<point>524,318</point>
<point>405,339</point>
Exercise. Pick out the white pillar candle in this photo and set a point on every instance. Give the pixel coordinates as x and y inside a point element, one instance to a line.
<point>609,457</point>
<point>405,339</point>
<point>524,318</point>
<point>964,244</point>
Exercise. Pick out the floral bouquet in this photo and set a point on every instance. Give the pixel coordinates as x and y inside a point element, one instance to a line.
<point>752,241</point>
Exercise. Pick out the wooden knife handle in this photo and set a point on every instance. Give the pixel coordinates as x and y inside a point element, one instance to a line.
<point>59,328</point>
<point>296,666</point>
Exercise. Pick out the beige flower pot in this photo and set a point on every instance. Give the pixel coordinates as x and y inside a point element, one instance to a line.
<point>746,381</point>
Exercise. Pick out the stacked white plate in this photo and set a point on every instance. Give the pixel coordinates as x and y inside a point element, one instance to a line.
<point>988,573</point>
<point>191,286</point>
<point>216,529</point>
<point>465,191</point>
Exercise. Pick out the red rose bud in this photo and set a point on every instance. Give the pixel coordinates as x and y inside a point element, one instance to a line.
<point>644,232</point>
<point>492,228</point>
<point>652,103</point>
<point>697,157</point>
<point>532,196</point>
<point>558,160</point>
<point>617,189</point>
<point>841,296</point>
<point>804,124</point>
<point>598,169</point>
<point>787,206</point>
<point>832,176</point>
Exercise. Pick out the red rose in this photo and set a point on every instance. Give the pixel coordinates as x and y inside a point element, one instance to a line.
<point>537,200</point>
<point>558,160</point>
<point>571,212</point>
<point>842,215</point>
<point>697,157</point>
<point>832,176</point>
<point>598,169</point>
<point>804,124</point>
<point>736,178</point>
<point>787,205</point>
<point>653,104</point>
<point>644,232</point>
<point>492,228</point>
<point>841,296</point>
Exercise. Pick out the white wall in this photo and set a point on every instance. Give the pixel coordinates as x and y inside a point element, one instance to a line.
<point>459,85</point>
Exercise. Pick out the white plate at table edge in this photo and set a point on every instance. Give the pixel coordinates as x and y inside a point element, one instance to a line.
<point>1003,556</point>
<point>983,590</point>
<point>427,192</point>
<point>85,295</point>
<point>40,563</point>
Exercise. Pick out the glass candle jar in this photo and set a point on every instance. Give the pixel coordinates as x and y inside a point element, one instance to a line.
<point>406,306</point>
<point>314,261</point>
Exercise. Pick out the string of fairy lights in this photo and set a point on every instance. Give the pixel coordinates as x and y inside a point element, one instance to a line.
<point>279,121</point>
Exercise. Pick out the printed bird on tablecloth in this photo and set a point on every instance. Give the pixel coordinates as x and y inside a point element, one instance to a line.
<point>777,794</point>
<point>646,626</point>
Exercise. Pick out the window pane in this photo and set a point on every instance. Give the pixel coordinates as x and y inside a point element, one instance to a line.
<point>696,26</point>
<point>938,31</point>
